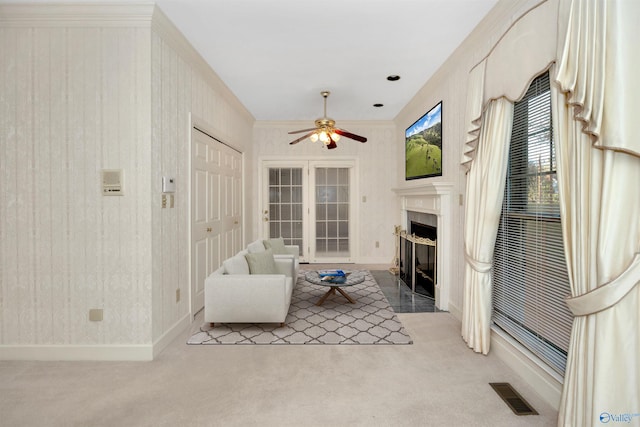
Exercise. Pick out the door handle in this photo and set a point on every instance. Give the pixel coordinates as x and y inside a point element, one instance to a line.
<point>209,229</point>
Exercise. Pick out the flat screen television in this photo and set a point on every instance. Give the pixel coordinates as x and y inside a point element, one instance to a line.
<point>423,145</point>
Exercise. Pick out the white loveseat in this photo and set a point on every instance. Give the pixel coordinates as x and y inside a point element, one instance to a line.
<point>233,295</point>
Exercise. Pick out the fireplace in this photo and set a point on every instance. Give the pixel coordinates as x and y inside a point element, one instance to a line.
<point>418,253</point>
<point>430,204</point>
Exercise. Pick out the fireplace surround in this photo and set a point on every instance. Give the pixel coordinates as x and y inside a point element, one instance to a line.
<point>436,199</point>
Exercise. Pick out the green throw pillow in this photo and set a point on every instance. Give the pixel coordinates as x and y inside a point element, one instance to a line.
<point>276,245</point>
<point>262,262</point>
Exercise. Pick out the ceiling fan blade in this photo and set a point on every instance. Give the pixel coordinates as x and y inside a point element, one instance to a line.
<point>299,131</point>
<point>332,144</point>
<point>302,137</point>
<point>350,135</point>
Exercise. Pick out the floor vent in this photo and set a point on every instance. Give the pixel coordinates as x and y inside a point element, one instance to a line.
<point>512,398</point>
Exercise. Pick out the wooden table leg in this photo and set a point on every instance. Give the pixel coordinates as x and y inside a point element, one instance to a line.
<point>332,291</point>
<point>346,295</point>
<point>326,295</point>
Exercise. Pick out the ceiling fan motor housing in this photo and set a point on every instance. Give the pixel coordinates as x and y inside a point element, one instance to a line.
<point>325,122</point>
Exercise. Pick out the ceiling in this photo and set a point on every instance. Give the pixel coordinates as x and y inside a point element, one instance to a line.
<point>277,56</point>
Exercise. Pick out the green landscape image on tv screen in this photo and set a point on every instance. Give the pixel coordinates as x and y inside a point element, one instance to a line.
<point>423,145</point>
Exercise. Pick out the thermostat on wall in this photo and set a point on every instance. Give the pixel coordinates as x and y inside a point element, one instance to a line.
<point>112,182</point>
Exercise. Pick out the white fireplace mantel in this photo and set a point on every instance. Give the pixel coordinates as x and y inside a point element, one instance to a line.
<point>434,198</point>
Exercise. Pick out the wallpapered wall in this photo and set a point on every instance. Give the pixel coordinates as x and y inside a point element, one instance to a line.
<point>80,94</point>
<point>74,102</point>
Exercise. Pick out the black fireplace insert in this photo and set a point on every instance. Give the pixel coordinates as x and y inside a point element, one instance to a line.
<point>418,270</point>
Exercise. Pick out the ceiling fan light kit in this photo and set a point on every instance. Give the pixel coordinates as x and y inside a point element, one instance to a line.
<point>326,130</point>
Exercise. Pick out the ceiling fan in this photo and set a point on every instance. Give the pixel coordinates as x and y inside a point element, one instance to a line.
<point>325,130</point>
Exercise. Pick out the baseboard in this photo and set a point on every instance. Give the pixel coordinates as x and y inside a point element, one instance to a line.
<point>132,352</point>
<point>373,260</point>
<point>115,352</point>
<point>172,333</point>
<point>455,311</point>
<point>546,383</point>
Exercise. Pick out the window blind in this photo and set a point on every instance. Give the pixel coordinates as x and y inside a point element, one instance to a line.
<point>530,280</point>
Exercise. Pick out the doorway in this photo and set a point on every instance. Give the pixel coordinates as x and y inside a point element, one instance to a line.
<point>310,203</point>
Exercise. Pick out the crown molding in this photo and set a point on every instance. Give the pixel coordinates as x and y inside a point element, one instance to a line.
<point>76,14</point>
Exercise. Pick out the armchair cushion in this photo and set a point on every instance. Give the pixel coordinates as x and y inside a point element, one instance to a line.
<point>262,262</point>
<point>255,247</point>
<point>236,265</point>
<point>276,245</point>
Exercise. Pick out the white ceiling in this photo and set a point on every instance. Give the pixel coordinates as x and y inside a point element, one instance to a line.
<point>277,55</point>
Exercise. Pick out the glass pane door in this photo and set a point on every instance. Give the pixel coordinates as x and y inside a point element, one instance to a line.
<point>285,213</point>
<point>332,196</point>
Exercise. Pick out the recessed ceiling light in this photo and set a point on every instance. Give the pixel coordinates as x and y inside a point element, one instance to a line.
<point>393,78</point>
<point>378,105</point>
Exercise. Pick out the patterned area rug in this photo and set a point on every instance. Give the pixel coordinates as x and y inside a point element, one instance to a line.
<point>369,321</point>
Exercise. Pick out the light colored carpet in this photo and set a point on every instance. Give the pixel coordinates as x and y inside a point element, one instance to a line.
<point>437,381</point>
<point>369,321</point>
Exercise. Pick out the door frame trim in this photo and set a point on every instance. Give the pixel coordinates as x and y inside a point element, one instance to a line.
<point>330,161</point>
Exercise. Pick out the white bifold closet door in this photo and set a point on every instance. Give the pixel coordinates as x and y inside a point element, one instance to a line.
<point>216,209</point>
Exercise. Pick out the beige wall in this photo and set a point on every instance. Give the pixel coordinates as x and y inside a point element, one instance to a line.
<point>74,101</point>
<point>82,89</point>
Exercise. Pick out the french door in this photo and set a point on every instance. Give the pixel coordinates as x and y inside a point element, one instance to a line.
<point>309,204</point>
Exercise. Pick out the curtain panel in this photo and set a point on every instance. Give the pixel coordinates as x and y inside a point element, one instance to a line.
<point>594,105</point>
<point>485,192</point>
<point>525,50</point>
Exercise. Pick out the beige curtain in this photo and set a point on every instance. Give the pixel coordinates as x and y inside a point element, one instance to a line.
<point>473,114</point>
<point>484,194</point>
<point>503,75</point>
<point>598,155</point>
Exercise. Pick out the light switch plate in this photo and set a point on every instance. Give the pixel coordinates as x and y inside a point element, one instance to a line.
<point>168,184</point>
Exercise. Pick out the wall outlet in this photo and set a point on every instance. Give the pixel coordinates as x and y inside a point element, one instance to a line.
<point>95,315</point>
<point>377,244</point>
<point>164,201</point>
<point>178,295</point>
